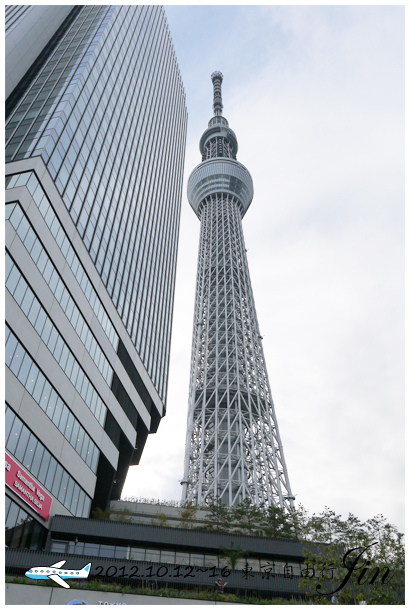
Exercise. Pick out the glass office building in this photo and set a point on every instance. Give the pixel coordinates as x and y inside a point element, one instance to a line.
<point>95,139</point>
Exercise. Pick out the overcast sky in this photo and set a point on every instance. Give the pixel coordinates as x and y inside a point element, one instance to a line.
<point>315,96</point>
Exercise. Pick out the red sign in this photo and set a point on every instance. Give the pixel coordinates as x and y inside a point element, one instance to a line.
<point>27,489</point>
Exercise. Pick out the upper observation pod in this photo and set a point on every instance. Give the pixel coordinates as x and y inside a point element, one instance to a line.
<point>219,172</point>
<point>220,176</point>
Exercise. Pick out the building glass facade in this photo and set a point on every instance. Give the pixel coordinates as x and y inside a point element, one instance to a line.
<point>95,137</point>
<point>38,386</point>
<point>93,109</point>
<point>138,553</point>
<point>14,13</point>
<point>21,529</point>
<point>32,453</point>
<point>173,557</point>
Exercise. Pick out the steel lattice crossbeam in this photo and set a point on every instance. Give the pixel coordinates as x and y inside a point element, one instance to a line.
<point>233,447</point>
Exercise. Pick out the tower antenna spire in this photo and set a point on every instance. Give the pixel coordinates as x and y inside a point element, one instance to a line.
<point>217,78</point>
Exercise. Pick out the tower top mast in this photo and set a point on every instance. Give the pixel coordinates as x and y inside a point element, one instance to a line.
<point>217,78</point>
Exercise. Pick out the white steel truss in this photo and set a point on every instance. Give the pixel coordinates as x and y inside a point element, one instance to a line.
<point>233,447</point>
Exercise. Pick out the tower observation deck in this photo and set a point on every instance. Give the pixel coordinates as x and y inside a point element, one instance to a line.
<point>233,448</point>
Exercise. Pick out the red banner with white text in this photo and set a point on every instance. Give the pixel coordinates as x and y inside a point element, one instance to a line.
<point>27,489</point>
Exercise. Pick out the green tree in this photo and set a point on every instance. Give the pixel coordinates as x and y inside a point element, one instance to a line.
<point>233,554</point>
<point>187,512</point>
<point>125,515</point>
<point>277,523</point>
<point>247,519</point>
<point>99,513</point>
<point>159,519</point>
<point>300,519</point>
<point>217,518</point>
<point>357,561</point>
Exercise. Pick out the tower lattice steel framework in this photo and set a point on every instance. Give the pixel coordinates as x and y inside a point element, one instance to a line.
<point>233,448</point>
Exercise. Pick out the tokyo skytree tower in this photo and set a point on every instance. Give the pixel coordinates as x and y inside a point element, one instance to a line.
<point>233,448</point>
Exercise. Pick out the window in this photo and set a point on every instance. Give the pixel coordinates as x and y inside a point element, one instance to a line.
<point>59,547</point>
<point>152,555</point>
<point>197,560</point>
<point>211,560</point>
<point>91,549</point>
<point>120,552</point>
<point>137,554</point>
<point>107,550</point>
<point>182,558</point>
<point>22,444</point>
